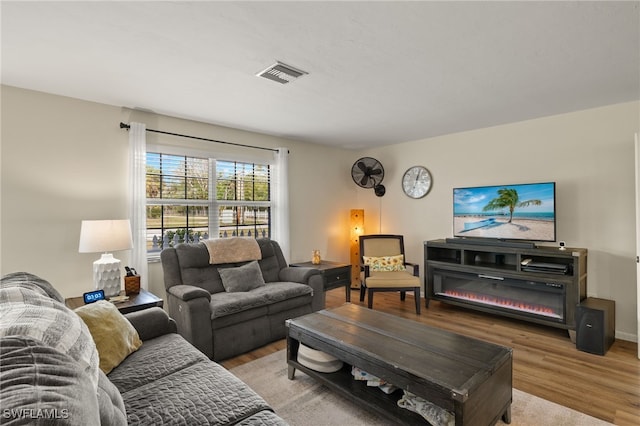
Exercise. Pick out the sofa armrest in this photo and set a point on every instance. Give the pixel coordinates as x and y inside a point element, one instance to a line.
<point>297,274</point>
<point>188,292</point>
<point>189,306</point>
<point>309,276</point>
<point>151,323</point>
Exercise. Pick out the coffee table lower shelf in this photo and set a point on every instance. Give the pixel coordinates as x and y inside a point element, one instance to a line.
<point>372,398</point>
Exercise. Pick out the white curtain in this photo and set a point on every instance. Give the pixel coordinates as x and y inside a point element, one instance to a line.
<point>138,200</point>
<point>280,201</point>
<point>637,149</point>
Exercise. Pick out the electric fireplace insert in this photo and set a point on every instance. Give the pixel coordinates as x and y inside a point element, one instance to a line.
<point>537,299</point>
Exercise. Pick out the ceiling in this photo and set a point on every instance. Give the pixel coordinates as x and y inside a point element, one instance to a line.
<point>379,72</point>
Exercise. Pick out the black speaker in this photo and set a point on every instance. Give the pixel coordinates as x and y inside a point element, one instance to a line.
<point>595,325</point>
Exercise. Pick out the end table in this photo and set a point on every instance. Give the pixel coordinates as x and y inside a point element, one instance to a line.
<point>335,275</point>
<point>136,302</point>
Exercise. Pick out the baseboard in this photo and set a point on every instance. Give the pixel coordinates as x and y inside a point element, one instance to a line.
<point>629,337</point>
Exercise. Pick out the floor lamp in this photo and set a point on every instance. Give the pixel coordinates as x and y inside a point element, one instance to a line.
<point>356,229</point>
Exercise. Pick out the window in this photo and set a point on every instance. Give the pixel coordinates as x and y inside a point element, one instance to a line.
<point>192,198</point>
<point>243,199</point>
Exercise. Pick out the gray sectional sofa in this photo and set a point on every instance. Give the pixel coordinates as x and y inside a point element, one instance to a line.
<point>224,323</point>
<point>49,372</point>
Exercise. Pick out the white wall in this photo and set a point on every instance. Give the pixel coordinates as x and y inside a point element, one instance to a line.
<point>64,160</point>
<point>590,156</point>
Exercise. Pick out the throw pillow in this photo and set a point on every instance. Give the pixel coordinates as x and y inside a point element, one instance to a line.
<point>113,334</point>
<point>385,263</point>
<point>242,278</point>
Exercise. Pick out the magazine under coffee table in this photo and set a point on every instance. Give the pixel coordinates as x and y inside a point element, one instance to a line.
<point>466,376</point>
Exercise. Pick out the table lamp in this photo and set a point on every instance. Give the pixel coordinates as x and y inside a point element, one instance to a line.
<point>106,236</point>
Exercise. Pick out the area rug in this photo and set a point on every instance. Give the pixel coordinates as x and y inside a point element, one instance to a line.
<point>304,402</point>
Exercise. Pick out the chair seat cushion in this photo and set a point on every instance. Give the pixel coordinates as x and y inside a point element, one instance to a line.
<point>378,279</point>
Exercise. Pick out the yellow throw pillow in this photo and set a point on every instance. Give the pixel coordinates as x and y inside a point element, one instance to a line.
<point>385,263</point>
<point>113,334</point>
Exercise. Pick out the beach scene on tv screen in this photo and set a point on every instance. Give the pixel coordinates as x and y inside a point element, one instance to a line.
<point>521,212</point>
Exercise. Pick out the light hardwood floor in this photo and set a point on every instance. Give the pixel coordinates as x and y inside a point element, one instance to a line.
<point>545,362</point>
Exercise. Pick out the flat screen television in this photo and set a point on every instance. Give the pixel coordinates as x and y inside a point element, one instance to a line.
<point>506,212</point>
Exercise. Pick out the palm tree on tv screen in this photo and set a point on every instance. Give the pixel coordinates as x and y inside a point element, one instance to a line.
<point>509,198</point>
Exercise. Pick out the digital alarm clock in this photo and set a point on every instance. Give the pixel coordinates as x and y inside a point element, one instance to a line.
<point>93,296</point>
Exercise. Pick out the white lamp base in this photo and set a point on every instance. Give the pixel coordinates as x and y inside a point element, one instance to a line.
<point>106,275</point>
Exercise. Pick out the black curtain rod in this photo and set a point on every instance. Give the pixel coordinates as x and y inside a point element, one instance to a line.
<point>127,126</point>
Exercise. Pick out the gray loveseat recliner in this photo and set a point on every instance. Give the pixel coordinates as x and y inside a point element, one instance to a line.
<point>223,324</point>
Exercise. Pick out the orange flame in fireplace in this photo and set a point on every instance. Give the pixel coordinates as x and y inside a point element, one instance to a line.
<point>503,303</point>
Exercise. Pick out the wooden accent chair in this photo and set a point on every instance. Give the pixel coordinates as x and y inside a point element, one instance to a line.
<point>384,268</point>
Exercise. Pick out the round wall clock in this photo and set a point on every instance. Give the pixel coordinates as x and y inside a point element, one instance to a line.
<point>416,182</point>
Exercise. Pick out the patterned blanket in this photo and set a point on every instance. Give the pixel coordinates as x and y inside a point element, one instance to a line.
<point>30,306</point>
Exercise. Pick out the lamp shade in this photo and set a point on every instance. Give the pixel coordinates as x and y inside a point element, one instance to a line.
<point>105,235</point>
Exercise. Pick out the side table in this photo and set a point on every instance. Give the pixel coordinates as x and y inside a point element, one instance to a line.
<point>136,302</point>
<point>335,274</point>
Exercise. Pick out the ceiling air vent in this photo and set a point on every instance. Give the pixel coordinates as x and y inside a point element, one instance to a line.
<point>281,73</point>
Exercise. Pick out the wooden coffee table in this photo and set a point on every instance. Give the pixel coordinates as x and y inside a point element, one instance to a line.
<point>468,377</point>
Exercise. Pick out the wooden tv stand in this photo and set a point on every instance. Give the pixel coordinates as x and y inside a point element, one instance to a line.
<point>536,284</point>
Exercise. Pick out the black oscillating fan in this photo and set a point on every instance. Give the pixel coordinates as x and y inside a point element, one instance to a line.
<point>368,172</point>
